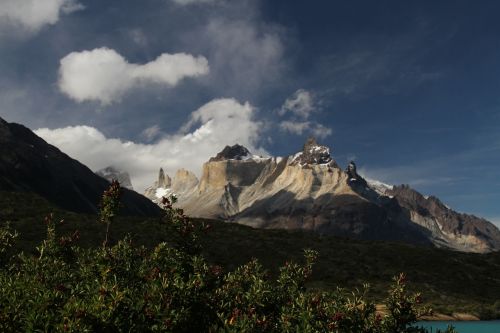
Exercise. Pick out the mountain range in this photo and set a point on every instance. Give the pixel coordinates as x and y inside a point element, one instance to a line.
<point>29,164</point>
<point>309,191</point>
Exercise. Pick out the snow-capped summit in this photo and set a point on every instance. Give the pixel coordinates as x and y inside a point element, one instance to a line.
<point>379,187</point>
<point>235,152</point>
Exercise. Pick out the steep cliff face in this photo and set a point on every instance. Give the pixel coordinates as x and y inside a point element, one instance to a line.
<point>308,190</point>
<point>184,182</point>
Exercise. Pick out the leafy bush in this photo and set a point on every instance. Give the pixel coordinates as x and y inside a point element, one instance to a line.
<point>172,288</point>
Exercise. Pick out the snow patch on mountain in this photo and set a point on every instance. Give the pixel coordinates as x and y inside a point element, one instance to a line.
<point>379,187</point>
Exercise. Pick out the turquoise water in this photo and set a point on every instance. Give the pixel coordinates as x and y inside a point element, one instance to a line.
<point>464,326</point>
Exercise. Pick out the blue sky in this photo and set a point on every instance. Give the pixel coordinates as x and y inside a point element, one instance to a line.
<point>410,91</point>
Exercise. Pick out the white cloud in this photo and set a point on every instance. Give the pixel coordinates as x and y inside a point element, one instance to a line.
<point>295,127</point>
<point>246,56</point>
<point>301,104</point>
<point>301,127</point>
<point>216,124</point>
<point>32,15</point>
<point>104,75</point>
<point>320,131</point>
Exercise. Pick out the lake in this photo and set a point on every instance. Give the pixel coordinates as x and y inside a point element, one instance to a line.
<point>492,326</point>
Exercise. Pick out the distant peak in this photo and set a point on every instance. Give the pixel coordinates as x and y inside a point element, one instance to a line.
<point>235,152</point>
<point>164,180</point>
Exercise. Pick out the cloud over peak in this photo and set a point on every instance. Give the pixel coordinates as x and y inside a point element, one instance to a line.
<point>210,128</point>
<point>104,75</point>
<point>32,15</point>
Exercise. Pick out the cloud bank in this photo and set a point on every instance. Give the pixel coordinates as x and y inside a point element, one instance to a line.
<point>104,75</point>
<point>32,15</point>
<point>216,124</point>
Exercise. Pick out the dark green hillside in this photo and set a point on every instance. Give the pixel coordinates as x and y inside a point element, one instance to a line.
<point>450,281</point>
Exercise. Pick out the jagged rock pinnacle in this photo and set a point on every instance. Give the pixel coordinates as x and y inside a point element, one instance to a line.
<point>164,180</point>
<point>236,152</point>
<point>314,153</point>
<point>352,171</point>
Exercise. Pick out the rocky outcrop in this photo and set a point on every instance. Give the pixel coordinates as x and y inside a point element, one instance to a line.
<point>313,153</point>
<point>160,188</point>
<point>236,152</point>
<point>29,164</point>
<point>112,173</point>
<point>163,180</point>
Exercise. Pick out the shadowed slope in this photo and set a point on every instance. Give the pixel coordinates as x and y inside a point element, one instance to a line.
<point>28,163</point>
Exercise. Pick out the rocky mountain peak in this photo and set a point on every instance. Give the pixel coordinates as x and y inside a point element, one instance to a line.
<point>235,152</point>
<point>313,153</point>
<point>310,191</point>
<point>164,180</point>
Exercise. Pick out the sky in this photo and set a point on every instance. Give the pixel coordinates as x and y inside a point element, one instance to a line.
<point>408,90</point>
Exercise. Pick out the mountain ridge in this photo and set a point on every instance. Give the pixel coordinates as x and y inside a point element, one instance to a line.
<point>30,164</point>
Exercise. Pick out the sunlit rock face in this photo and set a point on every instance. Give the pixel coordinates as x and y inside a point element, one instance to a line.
<point>184,182</point>
<point>308,190</point>
<point>448,228</point>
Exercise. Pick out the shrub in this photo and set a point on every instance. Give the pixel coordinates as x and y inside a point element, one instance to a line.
<point>7,238</point>
<point>172,288</point>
